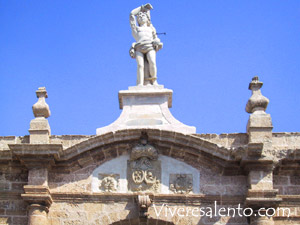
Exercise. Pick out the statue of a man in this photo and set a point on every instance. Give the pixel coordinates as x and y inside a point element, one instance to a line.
<point>146,45</point>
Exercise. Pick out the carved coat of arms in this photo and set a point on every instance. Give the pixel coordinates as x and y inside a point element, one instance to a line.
<point>143,168</point>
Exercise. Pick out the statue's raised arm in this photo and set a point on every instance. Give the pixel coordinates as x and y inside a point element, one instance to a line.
<point>144,8</point>
<point>146,45</point>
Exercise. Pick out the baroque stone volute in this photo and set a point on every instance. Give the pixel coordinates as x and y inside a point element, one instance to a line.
<point>41,108</point>
<point>257,102</point>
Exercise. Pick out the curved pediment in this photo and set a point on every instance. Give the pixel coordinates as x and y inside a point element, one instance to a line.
<point>189,148</point>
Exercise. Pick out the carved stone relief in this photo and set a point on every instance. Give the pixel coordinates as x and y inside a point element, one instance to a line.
<point>108,182</point>
<point>143,168</point>
<point>181,183</point>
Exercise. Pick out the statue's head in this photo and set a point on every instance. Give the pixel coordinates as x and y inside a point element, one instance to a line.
<point>142,18</point>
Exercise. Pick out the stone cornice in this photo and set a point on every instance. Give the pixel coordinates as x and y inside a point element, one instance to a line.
<point>156,136</point>
<point>9,195</point>
<point>156,198</point>
<point>36,155</point>
<point>187,147</point>
<point>37,194</point>
<point>193,150</point>
<point>289,200</point>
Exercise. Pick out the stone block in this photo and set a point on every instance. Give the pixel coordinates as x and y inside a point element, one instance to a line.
<point>260,180</point>
<point>39,131</point>
<point>281,180</point>
<point>292,190</point>
<point>38,176</point>
<point>5,186</point>
<point>295,180</point>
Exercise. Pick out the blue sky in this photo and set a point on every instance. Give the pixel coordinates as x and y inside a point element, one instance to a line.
<point>78,50</point>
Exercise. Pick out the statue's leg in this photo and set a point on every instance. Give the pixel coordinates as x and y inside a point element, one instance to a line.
<point>140,68</point>
<point>151,56</point>
<point>146,72</point>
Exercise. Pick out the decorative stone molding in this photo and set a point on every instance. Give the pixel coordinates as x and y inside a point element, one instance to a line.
<point>144,202</point>
<point>36,155</point>
<point>181,183</point>
<point>37,194</point>
<point>108,182</point>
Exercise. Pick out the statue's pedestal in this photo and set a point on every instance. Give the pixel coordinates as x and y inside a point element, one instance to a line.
<point>146,107</point>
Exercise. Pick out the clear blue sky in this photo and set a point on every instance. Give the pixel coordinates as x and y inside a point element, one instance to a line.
<point>78,50</point>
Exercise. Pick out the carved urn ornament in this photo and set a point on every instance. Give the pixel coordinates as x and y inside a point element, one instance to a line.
<point>257,102</point>
<point>41,108</point>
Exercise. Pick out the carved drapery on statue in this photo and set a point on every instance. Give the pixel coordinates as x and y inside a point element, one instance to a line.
<point>144,168</point>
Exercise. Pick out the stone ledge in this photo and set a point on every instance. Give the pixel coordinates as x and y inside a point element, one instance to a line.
<point>257,164</point>
<point>192,199</point>
<point>36,149</point>
<point>37,194</point>
<point>289,200</point>
<point>10,195</point>
<point>262,202</point>
<point>41,199</point>
<point>262,193</point>
<point>36,155</point>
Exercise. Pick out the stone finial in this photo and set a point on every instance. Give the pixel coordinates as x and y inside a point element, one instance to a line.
<point>41,108</point>
<point>39,127</point>
<point>257,101</point>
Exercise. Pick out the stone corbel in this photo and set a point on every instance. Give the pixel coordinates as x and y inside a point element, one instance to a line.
<point>144,202</point>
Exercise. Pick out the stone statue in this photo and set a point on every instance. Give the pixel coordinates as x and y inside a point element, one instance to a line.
<point>146,45</point>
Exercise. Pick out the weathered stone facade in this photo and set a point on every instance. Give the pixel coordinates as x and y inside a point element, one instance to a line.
<point>143,170</point>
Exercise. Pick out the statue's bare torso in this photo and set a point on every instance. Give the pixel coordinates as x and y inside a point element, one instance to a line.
<point>142,34</point>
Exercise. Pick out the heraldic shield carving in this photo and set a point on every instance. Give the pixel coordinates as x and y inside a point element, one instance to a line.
<point>144,168</point>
